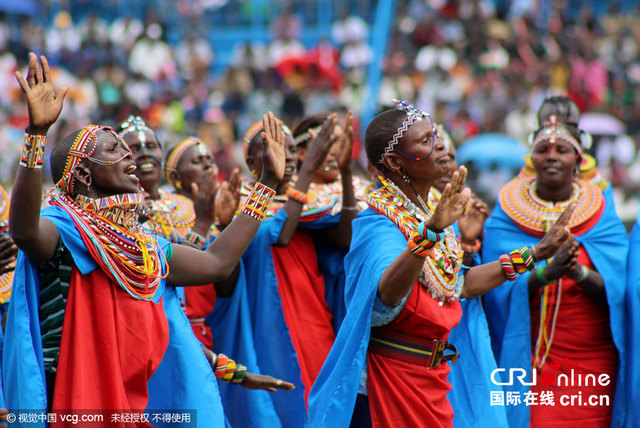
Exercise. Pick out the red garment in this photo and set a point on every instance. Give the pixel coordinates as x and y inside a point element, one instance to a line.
<point>402,394</point>
<point>199,302</point>
<point>308,317</point>
<point>110,347</point>
<point>583,343</point>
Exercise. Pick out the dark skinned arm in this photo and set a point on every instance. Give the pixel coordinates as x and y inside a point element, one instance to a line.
<point>37,237</point>
<point>316,154</point>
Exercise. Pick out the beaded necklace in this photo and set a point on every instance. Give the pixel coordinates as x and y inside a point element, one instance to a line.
<point>172,216</point>
<point>334,190</point>
<point>125,251</point>
<point>6,279</point>
<point>521,203</point>
<point>439,274</point>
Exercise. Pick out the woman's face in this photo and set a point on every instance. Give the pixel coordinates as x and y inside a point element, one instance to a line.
<point>329,171</point>
<point>148,157</point>
<point>420,142</point>
<point>555,164</point>
<point>254,161</point>
<point>196,165</point>
<point>115,178</point>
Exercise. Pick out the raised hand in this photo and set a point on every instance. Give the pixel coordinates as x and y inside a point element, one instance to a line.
<point>204,201</point>
<point>453,201</point>
<point>268,383</point>
<point>565,260</point>
<point>346,143</point>
<point>472,221</point>
<point>44,104</point>
<point>273,160</point>
<point>320,145</point>
<point>556,236</point>
<point>228,198</point>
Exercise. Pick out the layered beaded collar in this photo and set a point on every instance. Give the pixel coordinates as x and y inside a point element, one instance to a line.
<point>125,252</point>
<point>534,215</point>
<point>439,274</point>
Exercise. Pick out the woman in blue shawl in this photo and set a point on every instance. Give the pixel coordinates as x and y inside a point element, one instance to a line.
<point>567,316</point>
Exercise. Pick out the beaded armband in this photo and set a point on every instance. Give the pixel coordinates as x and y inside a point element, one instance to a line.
<point>507,267</point>
<point>33,151</point>
<point>258,201</point>
<point>419,246</point>
<point>195,240</point>
<point>471,248</point>
<point>297,195</point>
<point>522,260</point>
<point>228,370</point>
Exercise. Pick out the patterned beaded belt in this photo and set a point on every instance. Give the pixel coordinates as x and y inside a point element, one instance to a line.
<point>411,349</point>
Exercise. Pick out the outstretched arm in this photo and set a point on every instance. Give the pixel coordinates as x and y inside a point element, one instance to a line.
<point>316,154</point>
<point>189,266</point>
<point>35,236</point>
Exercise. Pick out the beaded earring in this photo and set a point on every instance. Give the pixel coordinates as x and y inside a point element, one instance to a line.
<point>406,178</point>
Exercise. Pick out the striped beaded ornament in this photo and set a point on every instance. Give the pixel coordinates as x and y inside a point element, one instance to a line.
<point>125,251</point>
<point>6,279</point>
<point>413,115</point>
<point>553,132</point>
<point>439,274</point>
<point>520,202</point>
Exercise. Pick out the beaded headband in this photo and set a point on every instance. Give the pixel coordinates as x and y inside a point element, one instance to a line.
<point>306,135</point>
<point>413,115</point>
<point>553,131</point>
<point>77,152</point>
<point>136,124</point>
<point>178,151</point>
<point>253,131</point>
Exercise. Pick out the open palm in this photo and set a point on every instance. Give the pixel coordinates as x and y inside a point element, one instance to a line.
<point>44,104</point>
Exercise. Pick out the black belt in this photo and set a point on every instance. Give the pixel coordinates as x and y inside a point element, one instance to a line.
<point>411,349</point>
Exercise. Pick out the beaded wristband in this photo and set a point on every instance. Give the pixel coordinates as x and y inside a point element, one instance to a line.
<point>195,240</point>
<point>430,234</point>
<point>584,273</point>
<point>258,201</point>
<point>471,248</point>
<point>521,260</point>
<point>239,374</point>
<point>417,249</point>
<point>297,195</point>
<point>33,151</point>
<point>507,267</point>
<point>541,278</point>
<point>228,374</point>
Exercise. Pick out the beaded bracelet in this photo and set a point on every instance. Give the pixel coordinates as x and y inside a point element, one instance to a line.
<point>471,248</point>
<point>522,260</point>
<point>543,280</point>
<point>258,201</point>
<point>195,240</point>
<point>430,234</point>
<point>227,369</point>
<point>297,195</point>
<point>416,248</point>
<point>584,273</point>
<point>507,267</point>
<point>33,151</point>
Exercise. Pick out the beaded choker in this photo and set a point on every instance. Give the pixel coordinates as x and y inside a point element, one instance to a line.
<point>125,251</point>
<point>521,203</point>
<point>439,274</point>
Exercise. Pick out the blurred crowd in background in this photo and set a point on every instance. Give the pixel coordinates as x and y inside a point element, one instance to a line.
<point>212,67</point>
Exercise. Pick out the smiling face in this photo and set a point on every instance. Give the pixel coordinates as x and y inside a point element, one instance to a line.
<point>196,165</point>
<point>147,156</point>
<point>555,164</point>
<point>113,178</point>
<point>420,142</point>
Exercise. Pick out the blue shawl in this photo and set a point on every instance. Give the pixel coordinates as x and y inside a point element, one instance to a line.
<point>507,307</point>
